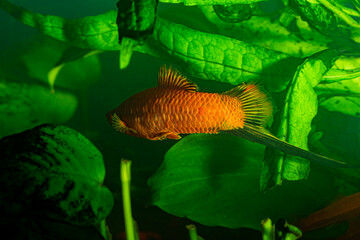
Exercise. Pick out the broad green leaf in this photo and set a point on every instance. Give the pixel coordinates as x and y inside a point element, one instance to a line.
<point>211,2</point>
<point>294,120</point>
<point>56,171</point>
<point>215,57</point>
<point>268,33</point>
<point>23,106</point>
<point>214,180</point>
<point>202,55</point>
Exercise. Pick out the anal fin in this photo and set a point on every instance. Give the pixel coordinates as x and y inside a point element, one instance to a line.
<point>165,135</point>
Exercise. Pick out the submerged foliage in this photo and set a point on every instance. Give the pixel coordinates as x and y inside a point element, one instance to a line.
<point>199,179</point>
<point>306,53</point>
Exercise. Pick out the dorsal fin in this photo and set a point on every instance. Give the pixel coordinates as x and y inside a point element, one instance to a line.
<point>171,78</point>
<point>255,103</point>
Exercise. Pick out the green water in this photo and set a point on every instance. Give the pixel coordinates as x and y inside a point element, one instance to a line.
<point>58,185</point>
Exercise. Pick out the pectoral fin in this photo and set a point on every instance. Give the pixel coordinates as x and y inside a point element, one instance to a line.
<point>120,125</point>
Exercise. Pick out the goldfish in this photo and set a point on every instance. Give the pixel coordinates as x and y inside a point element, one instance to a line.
<point>175,106</point>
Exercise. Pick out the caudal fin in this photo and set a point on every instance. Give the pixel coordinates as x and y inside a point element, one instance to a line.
<point>256,105</point>
<point>262,136</point>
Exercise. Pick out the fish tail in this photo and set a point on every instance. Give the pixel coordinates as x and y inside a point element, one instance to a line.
<point>257,109</point>
<point>256,105</point>
<point>262,136</point>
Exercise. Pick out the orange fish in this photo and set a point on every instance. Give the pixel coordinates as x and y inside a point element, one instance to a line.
<point>175,107</point>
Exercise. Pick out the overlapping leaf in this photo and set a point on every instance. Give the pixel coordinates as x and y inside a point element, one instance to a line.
<point>202,55</point>
<point>233,13</point>
<point>321,18</point>
<point>52,62</point>
<point>340,90</point>
<point>300,107</point>
<point>136,19</point>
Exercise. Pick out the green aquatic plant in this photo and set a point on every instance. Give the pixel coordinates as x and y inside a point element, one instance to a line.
<point>306,54</point>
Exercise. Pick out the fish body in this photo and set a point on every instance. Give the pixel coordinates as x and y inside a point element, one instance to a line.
<point>175,107</point>
<point>159,113</point>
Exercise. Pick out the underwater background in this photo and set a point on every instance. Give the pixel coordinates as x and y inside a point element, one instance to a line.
<point>54,72</point>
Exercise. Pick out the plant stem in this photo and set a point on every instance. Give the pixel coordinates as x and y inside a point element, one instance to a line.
<point>104,230</point>
<point>125,175</point>
<point>267,228</point>
<point>192,232</point>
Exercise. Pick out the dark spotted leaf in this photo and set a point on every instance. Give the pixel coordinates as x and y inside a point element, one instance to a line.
<point>136,19</point>
<point>56,172</point>
<point>324,20</point>
<point>233,13</point>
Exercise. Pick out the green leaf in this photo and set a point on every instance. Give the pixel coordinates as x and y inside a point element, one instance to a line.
<point>52,62</point>
<point>211,2</point>
<point>77,74</point>
<point>294,121</point>
<point>269,33</point>
<point>23,106</point>
<point>214,180</point>
<point>57,172</point>
<point>215,57</point>
<point>340,88</point>
<point>94,32</point>
<point>321,18</point>
<point>136,19</point>
<point>341,96</point>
